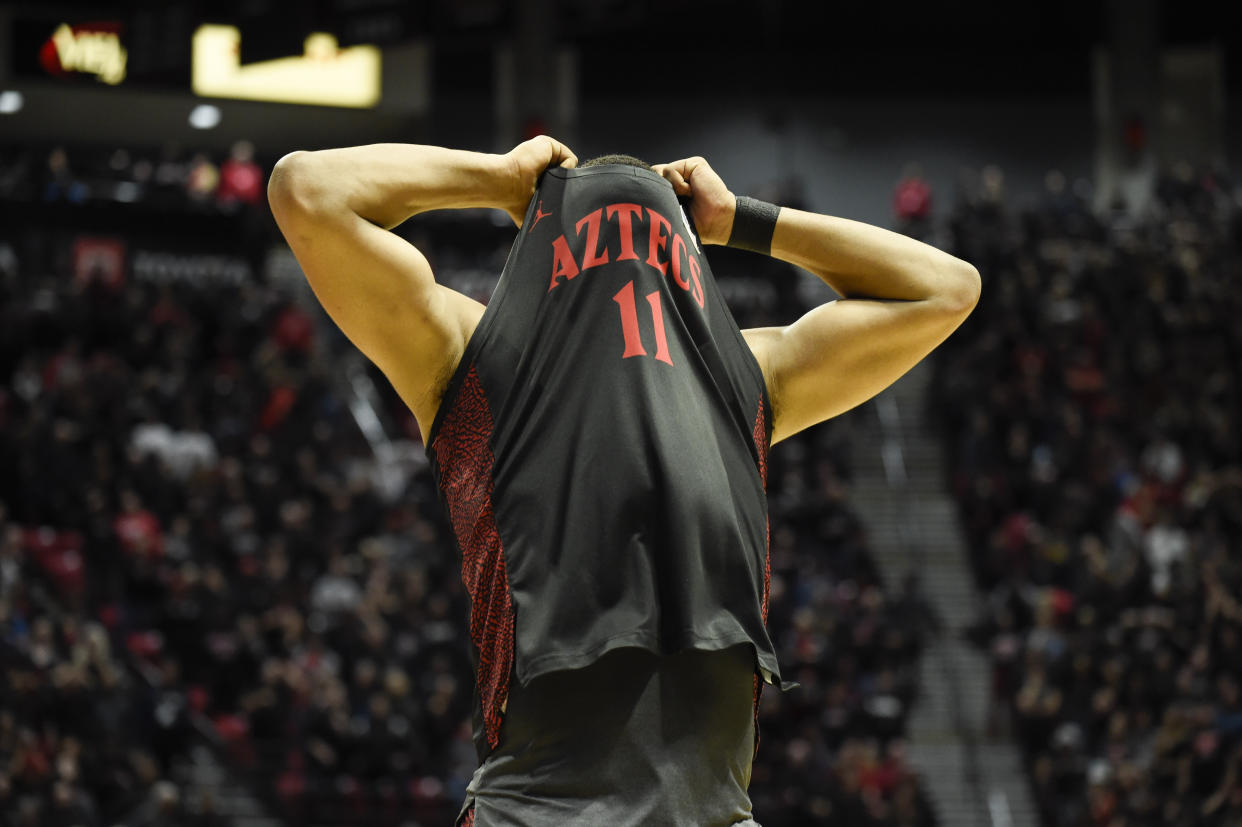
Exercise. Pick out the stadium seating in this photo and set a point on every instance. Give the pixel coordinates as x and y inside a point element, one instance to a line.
<point>1090,410</point>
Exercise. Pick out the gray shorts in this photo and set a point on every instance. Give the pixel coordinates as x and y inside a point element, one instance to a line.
<point>633,740</point>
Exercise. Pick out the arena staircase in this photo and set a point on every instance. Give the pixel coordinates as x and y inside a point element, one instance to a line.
<point>209,787</point>
<point>911,519</point>
<point>210,783</point>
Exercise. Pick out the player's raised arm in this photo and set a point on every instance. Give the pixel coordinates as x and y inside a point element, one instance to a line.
<point>335,208</point>
<point>901,298</point>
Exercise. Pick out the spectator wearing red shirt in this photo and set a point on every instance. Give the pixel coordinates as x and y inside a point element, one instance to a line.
<point>293,330</point>
<point>241,179</point>
<point>912,201</point>
<point>138,530</point>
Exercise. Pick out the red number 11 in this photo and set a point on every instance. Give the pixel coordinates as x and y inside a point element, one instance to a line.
<point>629,324</point>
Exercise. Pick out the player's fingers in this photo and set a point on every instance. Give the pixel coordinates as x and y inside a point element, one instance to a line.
<point>557,153</point>
<point>673,174</point>
<point>691,166</point>
<point>678,167</point>
<point>563,155</point>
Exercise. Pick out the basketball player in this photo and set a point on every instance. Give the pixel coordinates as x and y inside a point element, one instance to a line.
<point>599,432</point>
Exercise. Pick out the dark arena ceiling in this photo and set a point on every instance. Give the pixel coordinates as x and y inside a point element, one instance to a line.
<point>862,47</point>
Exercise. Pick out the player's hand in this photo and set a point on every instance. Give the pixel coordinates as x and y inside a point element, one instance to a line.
<point>527,161</point>
<point>711,203</point>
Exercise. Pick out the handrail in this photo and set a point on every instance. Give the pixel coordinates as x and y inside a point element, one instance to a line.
<point>364,405</point>
<point>998,808</point>
<point>892,454</point>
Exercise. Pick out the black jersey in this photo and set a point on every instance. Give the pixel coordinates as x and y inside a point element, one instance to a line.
<point>601,448</point>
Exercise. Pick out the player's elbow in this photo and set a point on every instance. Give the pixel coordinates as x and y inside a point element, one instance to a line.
<point>292,189</point>
<point>962,287</point>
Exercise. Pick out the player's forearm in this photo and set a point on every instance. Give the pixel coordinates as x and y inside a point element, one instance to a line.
<point>387,183</point>
<point>863,261</point>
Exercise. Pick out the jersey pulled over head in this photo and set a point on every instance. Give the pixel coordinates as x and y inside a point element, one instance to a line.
<point>601,449</point>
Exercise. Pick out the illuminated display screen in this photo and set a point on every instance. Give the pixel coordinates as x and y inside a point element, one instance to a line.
<point>323,74</point>
<point>163,48</point>
<point>135,51</point>
<point>90,51</point>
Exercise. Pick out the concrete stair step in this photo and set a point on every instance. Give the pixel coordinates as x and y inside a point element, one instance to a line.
<point>925,510</point>
<point>874,479</point>
<point>924,513</point>
<point>898,536</point>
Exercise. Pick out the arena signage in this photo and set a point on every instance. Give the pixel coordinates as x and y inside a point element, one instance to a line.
<point>88,48</point>
<point>324,74</point>
<point>189,268</point>
<point>99,260</point>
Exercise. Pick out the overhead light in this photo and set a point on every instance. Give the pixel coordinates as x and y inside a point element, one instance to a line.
<point>205,116</point>
<point>10,101</point>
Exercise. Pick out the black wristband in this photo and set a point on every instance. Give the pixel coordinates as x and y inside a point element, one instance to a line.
<point>754,222</point>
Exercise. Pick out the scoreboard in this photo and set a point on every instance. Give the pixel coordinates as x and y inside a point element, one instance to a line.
<point>295,58</point>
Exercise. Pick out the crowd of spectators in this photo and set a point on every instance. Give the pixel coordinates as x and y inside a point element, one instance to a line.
<point>1090,407</point>
<point>225,558</point>
<point>80,738</point>
<point>169,177</point>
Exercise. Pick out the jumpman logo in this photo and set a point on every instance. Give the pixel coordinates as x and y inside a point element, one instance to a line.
<point>539,213</point>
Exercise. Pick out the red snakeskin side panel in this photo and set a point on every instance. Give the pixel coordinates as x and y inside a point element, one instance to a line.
<point>760,435</point>
<point>465,460</point>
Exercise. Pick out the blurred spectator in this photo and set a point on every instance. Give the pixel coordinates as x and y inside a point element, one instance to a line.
<point>170,176</point>
<point>162,808</point>
<point>182,453</point>
<point>138,531</point>
<point>241,180</point>
<point>912,202</point>
<point>60,182</point>
<point>17,173</point>
<point>294,331</point>
<point>202,180</point>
